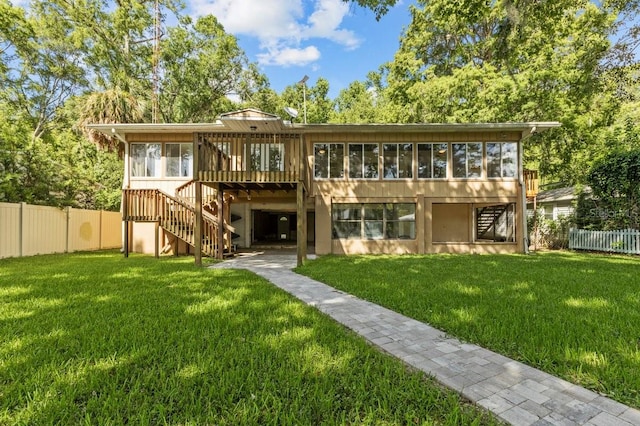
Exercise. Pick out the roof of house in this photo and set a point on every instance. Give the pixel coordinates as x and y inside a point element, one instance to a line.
<point>252,120</point>
<point>567,193</point>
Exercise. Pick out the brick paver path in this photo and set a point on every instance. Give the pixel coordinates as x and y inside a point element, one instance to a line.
<point>515,392</point>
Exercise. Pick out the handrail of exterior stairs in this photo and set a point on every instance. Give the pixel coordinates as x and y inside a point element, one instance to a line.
<point>174,215</point>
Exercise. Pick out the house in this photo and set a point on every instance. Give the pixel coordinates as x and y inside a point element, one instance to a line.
<point>555,203</point>
<point>341,188</point>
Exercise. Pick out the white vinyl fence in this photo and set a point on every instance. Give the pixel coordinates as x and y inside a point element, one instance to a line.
<point>622,241</point>
<point>27,230</point>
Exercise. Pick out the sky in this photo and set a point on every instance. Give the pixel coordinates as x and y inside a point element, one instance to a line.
<point>340,42</point>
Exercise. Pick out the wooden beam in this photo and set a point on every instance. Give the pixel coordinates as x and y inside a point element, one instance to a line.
<point>197,232</point>
<point>220,201</point>
<point>301,237</point>
<point>157,229</point>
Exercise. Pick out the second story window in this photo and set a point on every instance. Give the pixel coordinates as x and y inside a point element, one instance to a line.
<point>467,160</point>
<point>328,160</point>
<point>363,160</point>
<point>398,160</point>
<point>179,159</point>
<point>432,160</point>
<point>144,159</point>
<point>502,159</point>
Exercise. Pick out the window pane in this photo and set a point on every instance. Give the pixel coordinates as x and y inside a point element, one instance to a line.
<point>424,160</point>
<point>187,159</point>
<point>493,160</point>
<point>371,161</point>
<point>336,167</point>
<point>349,230</point>
<point>390,159</point>
<point>347,211</point>
<point>440,160</point>
<point>509,159</point>
<point>355,160</point>
<point>405,160</point>
<point>474,158</point>
<point>459,160</point>
<point>374,211</point>
<point>137,157</point>
<point>320,160</point>
<point>373,230</point>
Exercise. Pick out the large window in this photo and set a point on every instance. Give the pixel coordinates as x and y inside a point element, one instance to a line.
<point>179,159</point>
<point>432,160</point>
<point>328,160</point>
<point>496,223</point>
<point>363,160</point>
<point>144,159</point>
<point>502,159</point>
<point>374,221</point>
<point>398,160</point>
<point>467,160</point>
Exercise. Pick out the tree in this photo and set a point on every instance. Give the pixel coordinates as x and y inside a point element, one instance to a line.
<point>615,182</point>
<point>203,68</point>
<point>477,61</point>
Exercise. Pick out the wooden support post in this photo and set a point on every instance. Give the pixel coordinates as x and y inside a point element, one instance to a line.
<point>301,225</point>
<point>125,213</point>
<point>157,226</point>
<point>220,237</point>
<point>197,232</point>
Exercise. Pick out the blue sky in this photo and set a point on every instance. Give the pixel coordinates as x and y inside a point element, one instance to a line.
<point>289,39</point>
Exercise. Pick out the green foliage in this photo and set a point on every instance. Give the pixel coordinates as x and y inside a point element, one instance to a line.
<point>549,233</point>
<point>203,65</point>
<point>615,181</point>
<point>96,338</point>
<point>572,315</point>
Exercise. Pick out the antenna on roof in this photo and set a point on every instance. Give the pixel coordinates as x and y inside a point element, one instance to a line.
<point>292,112</point>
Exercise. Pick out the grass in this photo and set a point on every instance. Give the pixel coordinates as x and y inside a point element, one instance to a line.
<point>576,316</point>
<point>94,338</point>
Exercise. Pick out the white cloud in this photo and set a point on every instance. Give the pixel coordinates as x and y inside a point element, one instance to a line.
<point>287,56</point>
<point>284,32</point>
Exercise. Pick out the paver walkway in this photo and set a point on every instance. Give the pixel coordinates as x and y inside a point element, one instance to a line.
<point>515,392</point>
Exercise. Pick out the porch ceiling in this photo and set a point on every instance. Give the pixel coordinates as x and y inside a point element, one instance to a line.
<point>258,186</point>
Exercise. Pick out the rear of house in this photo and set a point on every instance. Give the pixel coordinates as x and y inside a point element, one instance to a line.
<point>252,178</point>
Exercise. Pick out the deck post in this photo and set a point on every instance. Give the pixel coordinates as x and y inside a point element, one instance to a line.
<point>197,232</point>
<point>301,237</point>
<point>220,237</point>
<point>157,229</point>
<point>125,213</point>
<point>301,202</point>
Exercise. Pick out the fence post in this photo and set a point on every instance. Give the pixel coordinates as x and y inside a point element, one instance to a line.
<point>22,228</point>
<point>67,211</point>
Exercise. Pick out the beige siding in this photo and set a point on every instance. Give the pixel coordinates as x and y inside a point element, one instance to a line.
<point>451,223</point>
<point>27,230</point>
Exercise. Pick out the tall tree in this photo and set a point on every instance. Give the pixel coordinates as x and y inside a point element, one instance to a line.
<point>203,68</point>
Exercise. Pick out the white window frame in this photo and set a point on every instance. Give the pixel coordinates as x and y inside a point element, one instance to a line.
<point>184,172</point>
<point>146,163</point>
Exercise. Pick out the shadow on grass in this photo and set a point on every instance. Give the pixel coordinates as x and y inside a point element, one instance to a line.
<point>101,339</point>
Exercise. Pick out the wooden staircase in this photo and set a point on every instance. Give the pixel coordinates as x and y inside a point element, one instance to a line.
<point>177,216</point>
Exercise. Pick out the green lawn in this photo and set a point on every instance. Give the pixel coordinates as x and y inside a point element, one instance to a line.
<point>95,338</point>
<point>573,315</point>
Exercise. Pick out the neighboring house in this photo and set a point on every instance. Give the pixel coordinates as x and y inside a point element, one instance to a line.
<point>342,188</point>
<point>555,203</point>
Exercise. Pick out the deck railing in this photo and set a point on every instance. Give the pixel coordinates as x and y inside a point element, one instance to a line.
<point>531,182</point>
<point>249,158</point>
<point>173,214</point>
